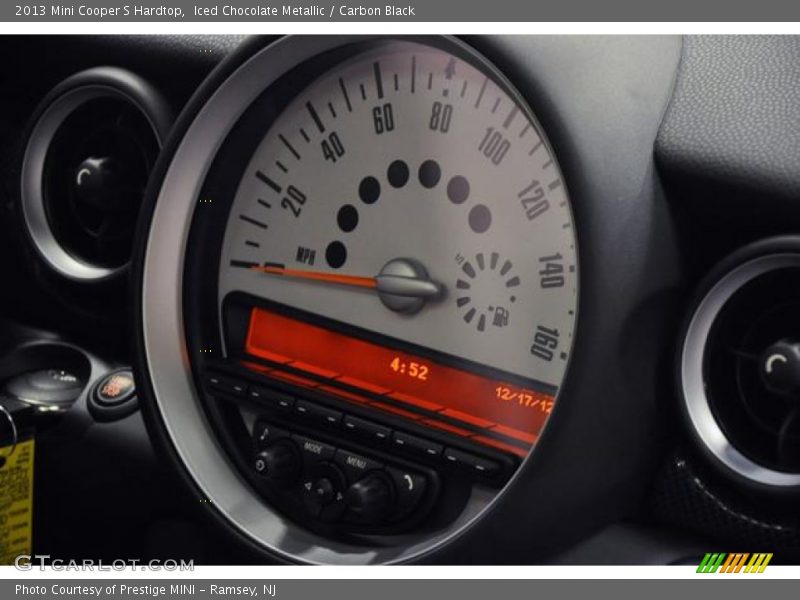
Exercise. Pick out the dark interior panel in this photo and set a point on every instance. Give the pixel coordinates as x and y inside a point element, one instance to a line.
<point>680,156</point>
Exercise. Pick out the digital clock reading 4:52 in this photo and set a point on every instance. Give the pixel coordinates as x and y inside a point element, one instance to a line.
<point>412,369</point>
<point>340,360</point>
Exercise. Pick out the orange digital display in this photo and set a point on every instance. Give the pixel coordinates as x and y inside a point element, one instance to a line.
<point>485,404</point>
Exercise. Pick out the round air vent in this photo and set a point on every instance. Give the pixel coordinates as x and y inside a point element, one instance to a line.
<point>94,142</point>
<point>740,365</point>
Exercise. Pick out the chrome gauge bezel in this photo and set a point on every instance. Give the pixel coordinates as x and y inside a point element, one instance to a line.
<point>164,337</point>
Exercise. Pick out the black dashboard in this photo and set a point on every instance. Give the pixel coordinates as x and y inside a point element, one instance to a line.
<point>463,300</point>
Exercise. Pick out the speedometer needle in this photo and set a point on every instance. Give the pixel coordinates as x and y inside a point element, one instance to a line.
<point>350,280</point>
<point>403,284</point>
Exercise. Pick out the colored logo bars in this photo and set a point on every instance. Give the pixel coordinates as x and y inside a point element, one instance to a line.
<point>734,563</point>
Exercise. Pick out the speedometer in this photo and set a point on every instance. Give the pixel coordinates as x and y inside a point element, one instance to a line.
<point>380,283</point>
<point>408,193</point>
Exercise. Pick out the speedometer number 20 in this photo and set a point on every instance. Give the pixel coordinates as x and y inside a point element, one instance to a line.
<point>377,174</point>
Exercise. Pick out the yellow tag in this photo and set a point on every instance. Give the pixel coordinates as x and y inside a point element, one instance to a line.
<point>16,502</point>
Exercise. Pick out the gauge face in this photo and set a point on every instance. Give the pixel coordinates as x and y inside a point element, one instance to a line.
<point>408,194</point>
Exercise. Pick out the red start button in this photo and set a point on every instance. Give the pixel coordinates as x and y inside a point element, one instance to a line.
<point>116,388</point>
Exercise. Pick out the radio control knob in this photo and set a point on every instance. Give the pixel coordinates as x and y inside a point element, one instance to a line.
<point>278,463</point>
<point>323,488</point>
<point>371,498</point>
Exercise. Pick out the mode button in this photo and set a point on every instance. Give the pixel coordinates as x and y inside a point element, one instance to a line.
<point>313,450</point>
